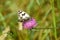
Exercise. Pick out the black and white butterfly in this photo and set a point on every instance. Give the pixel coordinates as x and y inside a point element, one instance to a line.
<point>23,16</point>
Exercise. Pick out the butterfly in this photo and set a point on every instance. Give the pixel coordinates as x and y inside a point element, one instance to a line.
<point>23,16</point>
<point>27,21</point>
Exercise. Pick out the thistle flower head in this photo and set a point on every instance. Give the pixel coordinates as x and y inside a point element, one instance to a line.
<point>29,24</point>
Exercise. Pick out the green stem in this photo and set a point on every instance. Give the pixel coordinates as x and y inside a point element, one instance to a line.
<point>31,33</point>
<point>54,19</point>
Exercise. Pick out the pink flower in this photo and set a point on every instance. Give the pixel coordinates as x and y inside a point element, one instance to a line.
<point>29,24</point>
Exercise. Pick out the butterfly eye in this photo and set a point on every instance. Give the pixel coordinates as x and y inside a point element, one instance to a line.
<point>23,14</point>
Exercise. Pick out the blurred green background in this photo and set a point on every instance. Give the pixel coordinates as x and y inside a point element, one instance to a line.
<point>46,13</point>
